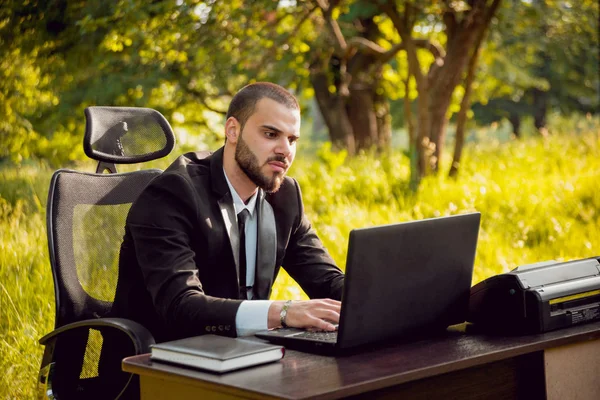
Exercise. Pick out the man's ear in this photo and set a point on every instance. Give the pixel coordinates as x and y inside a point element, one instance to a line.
<point>232,129</point>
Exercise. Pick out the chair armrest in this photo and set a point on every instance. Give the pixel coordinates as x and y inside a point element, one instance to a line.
<point>68,371</point>
<point>139,335</point>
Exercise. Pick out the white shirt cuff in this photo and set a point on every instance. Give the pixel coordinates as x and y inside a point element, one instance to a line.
<point>252,316</point>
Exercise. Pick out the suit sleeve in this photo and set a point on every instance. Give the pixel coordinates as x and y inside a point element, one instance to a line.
<point>161,224</point>
<point>307,260</point>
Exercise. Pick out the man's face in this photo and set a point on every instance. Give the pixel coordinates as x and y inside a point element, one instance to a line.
<point>267,145</point>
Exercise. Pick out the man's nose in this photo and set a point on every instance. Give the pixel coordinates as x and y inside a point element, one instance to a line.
<point>284,147</point>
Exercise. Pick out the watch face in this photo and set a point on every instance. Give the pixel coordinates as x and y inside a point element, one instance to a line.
<point>283,313</point>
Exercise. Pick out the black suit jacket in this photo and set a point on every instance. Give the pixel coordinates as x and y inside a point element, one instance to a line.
<point>178,267</point>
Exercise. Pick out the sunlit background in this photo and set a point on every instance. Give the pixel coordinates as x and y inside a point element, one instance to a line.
<point>410,110</point>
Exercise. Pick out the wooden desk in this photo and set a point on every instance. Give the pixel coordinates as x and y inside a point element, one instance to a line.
<point>563,364</point>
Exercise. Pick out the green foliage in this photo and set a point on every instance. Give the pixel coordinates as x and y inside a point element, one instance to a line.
<point>186,58</point>
<point>546,45</point>
<point>536,197</point>
<point>26,292</point>
<point>23,88</point>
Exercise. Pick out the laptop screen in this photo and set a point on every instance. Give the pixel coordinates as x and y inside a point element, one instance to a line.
<point>407,277</point>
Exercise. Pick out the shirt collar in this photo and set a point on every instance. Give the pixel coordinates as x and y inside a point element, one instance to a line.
<point>238,204</point>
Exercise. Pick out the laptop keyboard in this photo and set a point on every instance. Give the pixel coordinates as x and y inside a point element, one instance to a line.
<point>330,337</point>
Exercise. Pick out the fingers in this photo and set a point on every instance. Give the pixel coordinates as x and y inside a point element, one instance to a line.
<point>328,315</point>
<point>320,325</point>
<point>319,314</point>
<point>332,302</point>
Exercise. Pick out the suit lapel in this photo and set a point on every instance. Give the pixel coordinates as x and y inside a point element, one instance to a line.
<point>229,219</point>
<point>266,252</point>
<point>225,201</point>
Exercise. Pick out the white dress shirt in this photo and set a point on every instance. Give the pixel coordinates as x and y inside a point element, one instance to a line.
<point>252,316</point>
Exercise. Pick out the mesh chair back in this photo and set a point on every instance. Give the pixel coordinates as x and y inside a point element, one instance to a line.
<point>86,220</point>
<point>86,215</point>
<point>86,212</point>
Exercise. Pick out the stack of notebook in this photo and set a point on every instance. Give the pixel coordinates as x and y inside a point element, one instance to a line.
<point>216,353</point>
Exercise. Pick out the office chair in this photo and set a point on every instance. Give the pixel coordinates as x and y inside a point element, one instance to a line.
<point>86,222</point>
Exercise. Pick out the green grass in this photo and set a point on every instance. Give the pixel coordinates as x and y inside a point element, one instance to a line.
<point>26,293</point>
<point>538,199</point>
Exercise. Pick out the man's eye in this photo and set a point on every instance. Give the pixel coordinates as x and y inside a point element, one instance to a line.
<point>293,139</point>
<point>270,134</point>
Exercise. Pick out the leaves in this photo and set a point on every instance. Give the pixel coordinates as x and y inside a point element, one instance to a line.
<point>543,45</point>
<point>187,57</point>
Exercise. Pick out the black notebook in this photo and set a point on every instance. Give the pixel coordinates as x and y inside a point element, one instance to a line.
<point>216,353</point>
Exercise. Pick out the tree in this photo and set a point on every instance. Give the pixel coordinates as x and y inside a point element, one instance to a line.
<point>508,12</point>
<point>463,23</point>
<point>24,87</point>
<point>465,103</point>
<point>79,53</point>
<point>542,56</point>
<point>186,58</point>
<point>347,75</point>
<point>354,46</point>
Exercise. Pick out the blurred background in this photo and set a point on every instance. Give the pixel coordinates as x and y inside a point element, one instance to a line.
<point>411,109</point>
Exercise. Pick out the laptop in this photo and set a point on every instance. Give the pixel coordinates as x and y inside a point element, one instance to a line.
<point>401,280</point>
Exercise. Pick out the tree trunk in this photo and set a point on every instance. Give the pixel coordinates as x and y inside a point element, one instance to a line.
<point>333,110</point>
<point>465,103</point>
<point>362,102</point>
<point>438,107</point>
<point>461,123</point>
<point>384,122</point>
<point>461,119</point>
<point>515,120</point>
<point>446,80</point>
<point>362,116</point>
<point>540,109</point>
<point>360,119</point>
<point>410,123</point>
<point>423,143</point>
<point>412,137</point>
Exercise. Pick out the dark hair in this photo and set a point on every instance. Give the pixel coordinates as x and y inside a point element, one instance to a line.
<point>244,102</point>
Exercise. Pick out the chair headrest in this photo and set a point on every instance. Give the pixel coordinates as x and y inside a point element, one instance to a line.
<point>126,135</point>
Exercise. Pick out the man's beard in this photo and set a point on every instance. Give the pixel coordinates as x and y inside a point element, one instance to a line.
<point>248,163</point>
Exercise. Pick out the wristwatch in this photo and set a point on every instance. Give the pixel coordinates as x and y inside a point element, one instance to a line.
<point>283,313</point>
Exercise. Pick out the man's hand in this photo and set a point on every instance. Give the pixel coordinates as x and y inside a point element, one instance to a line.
<point>319,314</point>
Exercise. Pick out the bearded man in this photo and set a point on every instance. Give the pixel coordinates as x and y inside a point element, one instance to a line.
<point>205,240</point>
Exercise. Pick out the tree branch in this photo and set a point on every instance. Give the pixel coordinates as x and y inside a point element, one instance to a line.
<point>365,45</point>
<point>449,19</point>
<point>491,11</point>
<point>382,56</point>
<point>389,8</point>
<point>435,49</point>
<point>392,12</point>
<point>201,97</point>
<point>209,108</point>
<point>284,38</point>
<point>278,20</point>
<point>407,15</point>
<point>471,18</point>
<point>294,31</point>
<point>410,123</point>
<point>391,53</point>
<point>334,28</point>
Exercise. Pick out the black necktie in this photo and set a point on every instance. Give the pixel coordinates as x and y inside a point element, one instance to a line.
<point>242,218</point>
